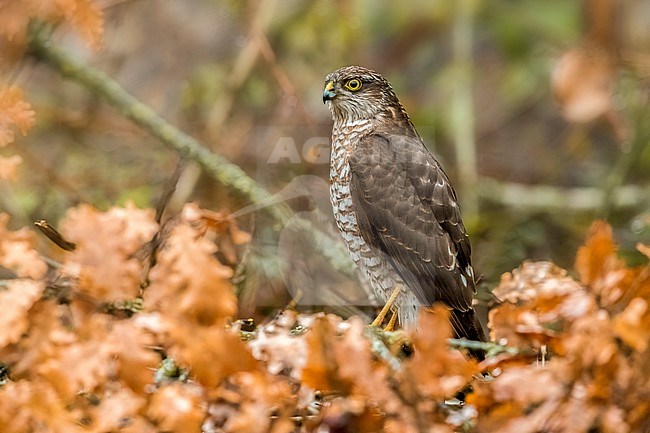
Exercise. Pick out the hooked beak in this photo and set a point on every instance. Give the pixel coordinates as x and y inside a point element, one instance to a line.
<point>328,93</point>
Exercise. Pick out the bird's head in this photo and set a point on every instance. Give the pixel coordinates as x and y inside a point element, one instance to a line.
<point>357,93</point>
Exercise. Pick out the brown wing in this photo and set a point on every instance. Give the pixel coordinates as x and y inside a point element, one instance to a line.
<point>407,208</point>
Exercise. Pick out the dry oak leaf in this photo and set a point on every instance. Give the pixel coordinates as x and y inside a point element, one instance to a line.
<point>643,249</point>
<point>84,15</point>
<point>438,371</point>
<point>34,407</point>
<point>107,242</point>
<point>72,354</point>
<point>15,17</point>
<point>229,235</point>
<point>348,346</point>
<point>82,358</point>
<point>597,264</point>
<point>17,251</point>
<point>178,408</point>
<point>540,300</point>
<point>582,83</point>
<point>135,359</point>
<point>542,321</point>
<point>117,408</point>
<point>211,353</point>
<point>14,112</point>
<point>189,281</point>
<point>88,18</point>
<point>593,362</point>
<point>16,299</point>
<point>342,416</point>
<point>139,424</point>
<point>9,167</point>
<point>534,279</point>
<point>257,396</point>
<point>329,368</point>
<point>633,324</point>
<point>519,400</point>
<point>277,348</point>
<point>39,342</point>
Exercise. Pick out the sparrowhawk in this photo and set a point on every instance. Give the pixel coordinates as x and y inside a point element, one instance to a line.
<point>394,204</point>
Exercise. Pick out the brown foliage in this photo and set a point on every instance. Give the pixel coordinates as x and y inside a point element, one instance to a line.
<point>77,365</point>
<point>15,16</point>
<point>596,334</point>
<point>104,260</point>
<point>14,112</point>
<point>84,15</point>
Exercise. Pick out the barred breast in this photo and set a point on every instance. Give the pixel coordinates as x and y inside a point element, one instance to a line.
<point>382,277</point>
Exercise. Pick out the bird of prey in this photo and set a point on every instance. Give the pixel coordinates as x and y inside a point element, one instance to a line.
<point>394,204</point>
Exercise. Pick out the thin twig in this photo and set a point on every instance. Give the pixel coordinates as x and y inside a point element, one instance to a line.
<point>54,235</point>
<point>488,347</point>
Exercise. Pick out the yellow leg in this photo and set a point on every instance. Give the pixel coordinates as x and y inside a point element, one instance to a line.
<point>391,323</point>
<point>389,305</point>
<point>295,300</point>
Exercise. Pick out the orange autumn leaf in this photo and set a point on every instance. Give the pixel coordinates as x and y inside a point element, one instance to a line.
<point>190,281</point>
<point>105,257</point>
<point>14,113</point>
<point>321,369</point>
<point>229,235</point>
<point>134,356</point>
<point>582,83</point>
<point>438,370</point>
<point>633,324</point>
<point>89,20</point>
<point>16,299</point>
<point>138,424</point>
<point>521,399</point>
<point>116,408</point>
<point>178,408</point>
<point>81,359</point>
<point>532,280</point>
<point>25,404</point>
<point>9,167</point>
<point>339,360</point>
<point>18,253</point>
<point>541,303</point>
<point>643,249</point>
<point>15,17</point>
<point>601,270</point>
<point>597,255</point>
<point>255,395</point>
<point>199,347</point>
<point>38,342</point>
<point>84,15</point>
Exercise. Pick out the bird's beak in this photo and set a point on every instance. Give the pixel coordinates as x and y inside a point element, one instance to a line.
<point>328,93</point>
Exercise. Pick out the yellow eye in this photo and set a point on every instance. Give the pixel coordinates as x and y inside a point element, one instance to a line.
<point>353,84</point>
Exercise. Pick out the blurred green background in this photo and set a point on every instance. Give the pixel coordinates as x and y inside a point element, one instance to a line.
<point>538,110</point>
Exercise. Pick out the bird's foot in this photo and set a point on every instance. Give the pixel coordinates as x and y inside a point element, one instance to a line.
<point>388,307</point>
<point>392,322</point>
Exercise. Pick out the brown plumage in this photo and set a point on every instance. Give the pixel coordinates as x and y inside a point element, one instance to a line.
<point>394,204</point>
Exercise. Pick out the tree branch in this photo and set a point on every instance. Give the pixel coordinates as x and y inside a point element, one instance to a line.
<point>217,166</point>
<point>550,197</point>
